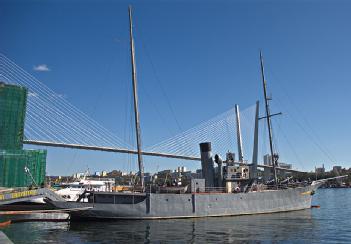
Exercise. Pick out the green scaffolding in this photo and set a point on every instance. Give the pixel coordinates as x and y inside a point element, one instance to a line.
<point>13,159</point>
<point>12,114</point>
<point>13,164</point>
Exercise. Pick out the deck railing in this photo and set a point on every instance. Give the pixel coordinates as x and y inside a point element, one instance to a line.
<point>263,187</point>
<point>199,190</point>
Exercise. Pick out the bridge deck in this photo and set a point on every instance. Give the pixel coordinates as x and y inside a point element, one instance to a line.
<point>122,150</point>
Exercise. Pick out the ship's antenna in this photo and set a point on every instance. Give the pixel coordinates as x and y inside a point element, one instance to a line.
<point>136,107</point>
<point>268,117</point>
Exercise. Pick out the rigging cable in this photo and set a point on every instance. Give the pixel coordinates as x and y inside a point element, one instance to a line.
<point>311,132</point>
<point>157,78</point>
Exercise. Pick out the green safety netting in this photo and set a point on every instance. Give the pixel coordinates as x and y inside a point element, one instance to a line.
<point>13,159</point>
<point>12,115</point>
<point>13,164</point>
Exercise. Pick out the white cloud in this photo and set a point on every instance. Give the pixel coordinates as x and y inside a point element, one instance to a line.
<point>41,68</point>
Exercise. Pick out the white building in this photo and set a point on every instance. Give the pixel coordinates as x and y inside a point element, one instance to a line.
<point>267,159</point>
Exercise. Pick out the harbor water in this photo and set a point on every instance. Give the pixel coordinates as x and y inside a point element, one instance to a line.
<point>331,223</point>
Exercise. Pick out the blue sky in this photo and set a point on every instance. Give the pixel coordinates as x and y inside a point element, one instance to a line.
<point>205,55</point>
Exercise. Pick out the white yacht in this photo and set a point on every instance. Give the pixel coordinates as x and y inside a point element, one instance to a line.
<point>73,190</point>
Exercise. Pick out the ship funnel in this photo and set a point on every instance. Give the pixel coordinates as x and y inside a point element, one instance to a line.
<point>207,163</point>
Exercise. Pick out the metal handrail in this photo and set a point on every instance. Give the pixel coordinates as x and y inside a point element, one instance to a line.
<point>263,187</point>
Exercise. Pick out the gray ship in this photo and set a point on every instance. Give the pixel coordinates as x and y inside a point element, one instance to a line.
<point>106,205</point>
<point>203,200</point>
<point>230,188</point>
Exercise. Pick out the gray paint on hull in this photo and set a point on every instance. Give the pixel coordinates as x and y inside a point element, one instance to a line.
<point>179,206</point>
<point>158,206</point>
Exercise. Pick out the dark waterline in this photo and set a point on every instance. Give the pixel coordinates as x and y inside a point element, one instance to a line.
<point>329,224</point>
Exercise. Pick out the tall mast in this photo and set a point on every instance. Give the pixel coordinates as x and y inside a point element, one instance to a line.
<point>135,95</point>
<point>255,147</point>
<point>268,117</point>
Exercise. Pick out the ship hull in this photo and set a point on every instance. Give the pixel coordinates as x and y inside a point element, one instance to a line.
<point>161,206</point>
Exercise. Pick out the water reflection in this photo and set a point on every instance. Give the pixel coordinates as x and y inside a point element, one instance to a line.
<point>267,227</point>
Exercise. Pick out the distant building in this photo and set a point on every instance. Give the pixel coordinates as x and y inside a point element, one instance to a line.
<point>115,173</point>
<point>181,169</point>
<point>103,173</point>
<point>337,169</point>
<point>285,165</point>
<point>97,173</point>
<point>147,177</point>
<point>320,170</point>
<point>78,175</point>
<point>196,175</point>
<point>164,172</point>
<point>267,159</point>
<point>187,174</point>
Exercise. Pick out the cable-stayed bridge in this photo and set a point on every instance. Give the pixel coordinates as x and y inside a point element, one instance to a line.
<point>53,121</point>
